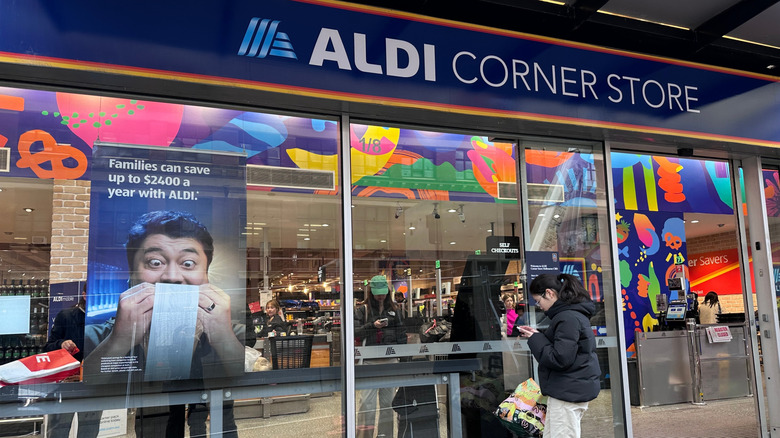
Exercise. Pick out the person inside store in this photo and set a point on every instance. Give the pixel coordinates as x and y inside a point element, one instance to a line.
<point>709,309</point>
<point>511,313</point>
<point>400,300</point>
<point>168,247</point>
<point>67,332</point>
<point>275,324</point>
<point>378,321</point>
<point>566,352</point>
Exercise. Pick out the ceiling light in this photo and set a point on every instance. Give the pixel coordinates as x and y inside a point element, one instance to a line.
<point>28,209</point>
<point>556,216</point>
<point>325,225</point>
<point>383,241</point>
<point>771,67</point>
<point>451,210</point>
<point>452,243</point>
<point>694,221</point>
<point>412,227</point>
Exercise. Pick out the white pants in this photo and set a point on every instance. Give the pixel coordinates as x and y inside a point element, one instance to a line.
<point>563,418</point>
<point>367,412</point>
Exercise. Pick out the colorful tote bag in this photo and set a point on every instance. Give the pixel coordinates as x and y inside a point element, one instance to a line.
<point>524,411</point>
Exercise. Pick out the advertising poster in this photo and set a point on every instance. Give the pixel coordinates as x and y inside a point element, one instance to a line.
<point>167,257</point>
<point>716,271</point>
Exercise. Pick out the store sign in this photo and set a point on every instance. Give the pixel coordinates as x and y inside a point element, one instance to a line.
<point>360,53</point>
<point>541,262</point>
<point>507,246</point>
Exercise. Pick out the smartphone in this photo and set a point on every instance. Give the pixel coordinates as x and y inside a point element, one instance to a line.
<point>382,320</point>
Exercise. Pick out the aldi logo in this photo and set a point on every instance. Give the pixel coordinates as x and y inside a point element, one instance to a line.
<point>262,38</point>
<point>424,349</point>
<point>390,351</point>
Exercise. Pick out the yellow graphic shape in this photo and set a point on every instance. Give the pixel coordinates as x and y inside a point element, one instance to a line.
<point>311,161</point>
<point>648,322</point>
<point>373,150</point>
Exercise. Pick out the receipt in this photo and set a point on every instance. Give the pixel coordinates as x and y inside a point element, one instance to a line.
<point>172,334</point>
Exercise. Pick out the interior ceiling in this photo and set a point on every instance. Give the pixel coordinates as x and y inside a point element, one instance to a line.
<point>738,34</point>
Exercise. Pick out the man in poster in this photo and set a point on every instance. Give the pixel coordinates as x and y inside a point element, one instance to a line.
<point>167,248</point>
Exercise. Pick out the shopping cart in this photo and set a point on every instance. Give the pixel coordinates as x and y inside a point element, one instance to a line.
<point>290,351</point>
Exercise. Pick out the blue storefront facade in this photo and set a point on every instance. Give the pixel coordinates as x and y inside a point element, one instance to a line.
<point>468,152</point>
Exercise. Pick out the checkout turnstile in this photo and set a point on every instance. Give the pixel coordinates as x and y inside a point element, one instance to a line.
<point>663,367</point>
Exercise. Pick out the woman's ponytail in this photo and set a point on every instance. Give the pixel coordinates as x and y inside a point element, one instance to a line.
<point>571,290</point>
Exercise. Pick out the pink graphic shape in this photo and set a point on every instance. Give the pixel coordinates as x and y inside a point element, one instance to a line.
<point>117,120</point>
<point>645,230</point>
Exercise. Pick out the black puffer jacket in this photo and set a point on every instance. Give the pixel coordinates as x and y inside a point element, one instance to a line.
<point>566,351</point>
<point>394,333</point>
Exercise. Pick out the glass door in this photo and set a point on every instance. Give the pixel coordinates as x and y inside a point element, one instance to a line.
<point>441,270</point>
<point>565,199</point>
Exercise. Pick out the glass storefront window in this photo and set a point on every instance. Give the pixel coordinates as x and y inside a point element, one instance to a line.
<point>682,276</point>
<point>448,230</point>
<point>438,240</point>
<point>425,206</point>
<point>224,223</point>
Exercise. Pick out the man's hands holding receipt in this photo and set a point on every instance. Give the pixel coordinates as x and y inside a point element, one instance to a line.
<point>136,305</point>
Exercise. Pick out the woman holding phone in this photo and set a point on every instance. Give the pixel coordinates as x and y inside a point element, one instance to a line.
<point>378,322</point>
<point>569,371</point>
